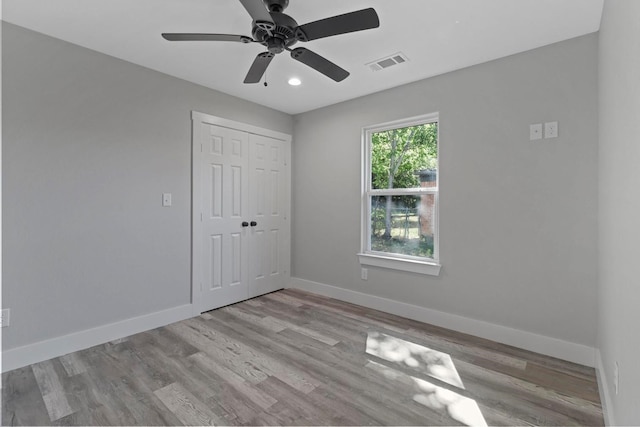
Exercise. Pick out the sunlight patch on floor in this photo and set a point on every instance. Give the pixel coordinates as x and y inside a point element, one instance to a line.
<point>459,407</point>
<point>429,362</point>
<point>434,363</point>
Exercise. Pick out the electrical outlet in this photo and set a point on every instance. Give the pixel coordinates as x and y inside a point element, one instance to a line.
<point>364,274</point>
<point>4,318</point>
<point>616,378</point>
<point>551,130</point>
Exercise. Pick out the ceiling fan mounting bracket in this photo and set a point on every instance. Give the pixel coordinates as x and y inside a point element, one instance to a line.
<point>276,5</point>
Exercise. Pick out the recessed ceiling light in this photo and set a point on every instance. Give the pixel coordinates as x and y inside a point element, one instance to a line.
<point>294,81</point>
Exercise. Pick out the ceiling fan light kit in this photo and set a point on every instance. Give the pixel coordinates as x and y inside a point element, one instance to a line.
<point>278,32</point>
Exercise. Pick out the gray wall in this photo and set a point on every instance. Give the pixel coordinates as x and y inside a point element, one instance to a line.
<point>90,143</point>
<point>619,213</point>
<point>518,218</point>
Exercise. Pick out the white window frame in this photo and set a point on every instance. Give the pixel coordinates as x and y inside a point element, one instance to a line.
<point>413,264</point>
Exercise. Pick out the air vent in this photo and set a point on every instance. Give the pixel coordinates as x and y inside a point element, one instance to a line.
<point>386,62</point>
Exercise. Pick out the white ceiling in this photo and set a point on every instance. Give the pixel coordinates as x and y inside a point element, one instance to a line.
<point>436,35</point>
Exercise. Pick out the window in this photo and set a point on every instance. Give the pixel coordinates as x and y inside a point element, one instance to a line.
<point>400,195</point>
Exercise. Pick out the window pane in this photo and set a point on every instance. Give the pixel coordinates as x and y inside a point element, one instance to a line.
<point>403,224</point>
<point>405,158</point>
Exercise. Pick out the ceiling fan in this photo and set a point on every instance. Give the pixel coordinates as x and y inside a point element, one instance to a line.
<point>278,32</point>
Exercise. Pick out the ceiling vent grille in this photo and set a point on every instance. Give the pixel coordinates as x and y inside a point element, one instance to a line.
<point>388,61</point>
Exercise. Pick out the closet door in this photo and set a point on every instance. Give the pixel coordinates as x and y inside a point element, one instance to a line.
<point>224,180</point>
<point>240,236</point>
<point>268,204</point>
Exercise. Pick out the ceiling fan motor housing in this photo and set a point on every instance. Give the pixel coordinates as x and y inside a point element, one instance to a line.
<point>277,35</point>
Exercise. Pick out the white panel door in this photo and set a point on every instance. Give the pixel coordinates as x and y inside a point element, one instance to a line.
<point>268,204</point>
<point>241,203</point>
<point>224,186</point>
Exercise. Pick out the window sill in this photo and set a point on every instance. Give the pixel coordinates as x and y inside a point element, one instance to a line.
<point>430,268</point>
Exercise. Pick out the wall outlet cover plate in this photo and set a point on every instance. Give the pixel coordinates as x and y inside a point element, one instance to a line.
<point>535,132</point>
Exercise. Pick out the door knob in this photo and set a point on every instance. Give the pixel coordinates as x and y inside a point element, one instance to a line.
<point>253,223</point>
<point>245,224</point>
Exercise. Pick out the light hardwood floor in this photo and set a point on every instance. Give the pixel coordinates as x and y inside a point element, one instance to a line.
<point>294,358</point>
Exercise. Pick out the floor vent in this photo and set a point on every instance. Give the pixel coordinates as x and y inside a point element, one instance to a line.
<point>388,61</point>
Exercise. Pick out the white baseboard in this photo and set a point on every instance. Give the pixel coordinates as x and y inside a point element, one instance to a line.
<point>554,347</point>
<point>605,397</point>
<point>55,347</point>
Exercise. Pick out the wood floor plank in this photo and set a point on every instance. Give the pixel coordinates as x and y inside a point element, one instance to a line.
<point>85,417</point>
<point>332,323</point>
<point>186,407</point>
<point>563,382</point>
<point>81,397</point>
<point>278,415</point>
<point>345,309</point>
<point>72,364</point>
<point>210,389</point>
<point>278,321</point>
<point>350,414</point>
<point>255,395</point>
<point>134,364</point>
<point>103,379</point>
<point>283,297</point>
<point>304,331</point>
<point>22,402</point>
<point>224,399</point>
<point>295,358</point>
<point>259,359</point>
<point>303,407</point>
<point>198,336</point>
<point>53,394</point>
<point>292,317</point>
<point>264,321</point>
<point>171,344</point>
<point>254,302</point>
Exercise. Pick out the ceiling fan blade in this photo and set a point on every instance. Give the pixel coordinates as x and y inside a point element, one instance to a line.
<point>258,67</point>
<point>188,37</point>
<point>364,19</point>
<point>319,63</point>
<point>257,10</point>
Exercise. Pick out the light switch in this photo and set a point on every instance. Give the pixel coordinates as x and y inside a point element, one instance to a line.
<point>166,199</point>
<point>535,132</point>
<point>551,130</point>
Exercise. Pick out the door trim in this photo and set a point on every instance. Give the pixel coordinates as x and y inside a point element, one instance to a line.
<point>244,127</point>
<point>196,190</point>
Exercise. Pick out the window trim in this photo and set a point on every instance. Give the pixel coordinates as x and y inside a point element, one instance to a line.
<point>420,265</point>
